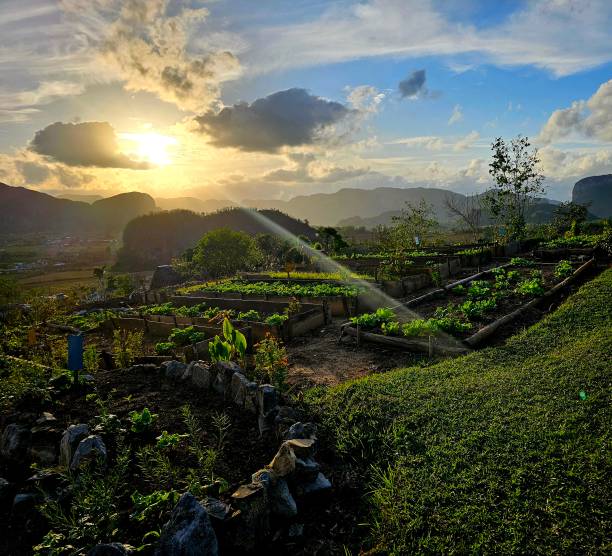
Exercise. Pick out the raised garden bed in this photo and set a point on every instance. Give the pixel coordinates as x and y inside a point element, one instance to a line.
<point>463,314</point>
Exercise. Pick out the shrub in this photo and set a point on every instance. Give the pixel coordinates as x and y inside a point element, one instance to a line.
<point>479,289</point>
<point>391,328</point>
<point>530,286</point>
<point>276,319</point>
<point>251,314</point>
<point>374,320</point>
<point>519,261</point>
<point>476,309</point>
<point>127,345</point>
<point>271,362</point>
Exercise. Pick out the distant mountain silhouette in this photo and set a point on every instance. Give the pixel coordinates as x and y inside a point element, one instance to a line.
<point>192,203</point>
<point>23,210</point>
<point>79,197</point>
<point>154,239</point>
<point>328,209</point>
<point>596,190</point>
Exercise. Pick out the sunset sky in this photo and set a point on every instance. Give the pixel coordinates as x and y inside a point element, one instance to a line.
<point>247,99</point>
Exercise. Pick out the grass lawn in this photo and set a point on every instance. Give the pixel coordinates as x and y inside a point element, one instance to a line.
<point>506,450</point>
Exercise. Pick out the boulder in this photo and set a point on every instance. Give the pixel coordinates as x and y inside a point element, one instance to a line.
<point>301,430</point>
<point>188,532</point>
<point>173,370</point>
<point>217,509</point>
<point>319,485</point>
<point>47,421</point>
<point>282,502</point>
<point>250,398</point>
<point>110,549</point>
<point>91,448</point>
<point>302,447</point>
<point>225,370</point>
<point>267,399</point>
<point>200,375</point>
<point>238,389</point>
<point>70,440</point>
<point>15,442</point>
<point>164,276</point>
<point>306,470</point>
<point>252,501</point>
<point>283,463</point>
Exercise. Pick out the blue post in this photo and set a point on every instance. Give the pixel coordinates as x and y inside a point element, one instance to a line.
<point>75,354</point>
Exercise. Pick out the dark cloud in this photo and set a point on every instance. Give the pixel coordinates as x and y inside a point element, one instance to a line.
<point>286,118</point>
<point>33,172</point>
<point>83,144</point>
<point>36,173</point>
<point>414,85</point>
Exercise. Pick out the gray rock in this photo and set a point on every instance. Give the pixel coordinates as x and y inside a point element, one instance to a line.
<point>282,502</point>
<point>24,504</point>
<point>70,440</point>
<point>47,421</point>
<point>224,371</point>
<point>283,463</point>
<point>6,494</point>
<point>217,509</point>
<point>200,375</point>
<point>110,549</point>
<point>173,370</point>
<point>263,476</point>
<point>319,485</point>
<point>188,532</point>
<point>252,501</point>
<point>238,389</point>
<point>306,470</point>
<point>90,448</point>
<point>267,399</point>
<point>15,441</point>
<point>301,430</point>
<point>250,398</point>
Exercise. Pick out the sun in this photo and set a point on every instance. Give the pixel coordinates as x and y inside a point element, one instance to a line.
<point>151,147</point>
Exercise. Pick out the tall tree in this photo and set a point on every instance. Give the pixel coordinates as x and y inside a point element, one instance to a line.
<point>515,169</point>
<point>224,252</point>
<point>416,226</point>
<point>467,210</point>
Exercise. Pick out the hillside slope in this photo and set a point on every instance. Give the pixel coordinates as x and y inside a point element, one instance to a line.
<point>155,239</point>
<point>24,210</point>
<point>596,191</point>
<point>504,451</point>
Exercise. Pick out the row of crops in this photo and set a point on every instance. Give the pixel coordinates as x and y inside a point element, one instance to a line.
<point>281,289</point>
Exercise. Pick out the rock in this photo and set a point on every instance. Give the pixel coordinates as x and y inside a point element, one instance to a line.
<point>225,370</point>
<point>110,549</point>
<point>267,399</point>
<point>302,447</point>
<point>60,381</point>
<point>282,502</point>
<point>188,532</point>
<point>596,191</point>
<point>301,430</point>
<point>295,530</point>
<point>173,370</point>
<point>91,448</point>
<point>263,476</point>
<point>287,414</point>
<point>24,504</point>
<point>44,452</point>
<point>238,389</point>
<point>252,501</point>
<point>15,442</point>
<point>217,509</point>
<point>149,368</point>
<point>320,484</point>
<point>283,463</point>
<point>70,440</point>
<point>47,421</point>
<point>200,375</point>
<point>6,495</point>
<point>306,470</point>
<point>250,398</point>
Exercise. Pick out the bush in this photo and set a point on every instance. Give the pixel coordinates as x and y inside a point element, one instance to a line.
<point>165,348</point>
<point>564,269</point>
<point>251,314</point>
<point>271,362</point>
<point>185,336</point>
<point>374,320</point>
<point>223,252</point>
<point>276,319</point>
<point>127,346</point>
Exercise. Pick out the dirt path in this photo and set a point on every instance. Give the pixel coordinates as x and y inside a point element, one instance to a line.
<point>318,359</point>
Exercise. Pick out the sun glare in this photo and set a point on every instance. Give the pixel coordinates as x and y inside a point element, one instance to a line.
<point>151,147</point>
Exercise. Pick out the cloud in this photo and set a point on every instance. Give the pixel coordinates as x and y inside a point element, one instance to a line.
<point>456,116</point>
<point>413,86</point>
<point>30,170</point>
<point>147,43</point>
<point>559,164</point>
<point>365,98</point>
<point>83,144</point>
<point>467,141</point>
<point>284,119</point>
<point>535,33</point>
<point>429,142</point>
<point>591,118</point>
<point>306,168</point>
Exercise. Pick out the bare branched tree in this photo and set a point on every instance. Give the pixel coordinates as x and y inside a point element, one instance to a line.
<point>468,210</point>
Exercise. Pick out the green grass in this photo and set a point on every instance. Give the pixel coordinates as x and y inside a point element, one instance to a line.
<point>506,450</point>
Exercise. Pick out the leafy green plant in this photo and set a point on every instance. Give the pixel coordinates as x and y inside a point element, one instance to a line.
<point>127,345</point>
<point>521,262</point>
<point>375,319</point>
<point>251,314</point>
<point>91,360</point>
<point>165,348</point>
<point>156,468</point>
<point>284,289</point>
<point>185,336</point>
<point>167,440</point>
<point>153,505</point>
<point>420,327</point>
<point>479,289</point>
<point>276,319</point>
<point>564,269</point>
<point>271,362</point>
<point>530,286</point>
<point>161,309</point>
<point>233,346</point>
<point>459,290</point>
<point>476,309</point>
<point>391,328</point>
<point>142,420</point>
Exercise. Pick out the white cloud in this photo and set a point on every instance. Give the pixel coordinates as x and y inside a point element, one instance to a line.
<point>591,118</point>
<point>467,141</point>
<point>456,116</point>
<point>365,98</point>
<point>536,34</point>
<point>429,142</point>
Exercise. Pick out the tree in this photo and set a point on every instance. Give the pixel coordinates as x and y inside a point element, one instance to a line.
<point>568,217</point>
<point>415,226</point>
<point>515,169</point>
<point>468,210</point>
<point>224,252</point>
<point>331,239</point>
